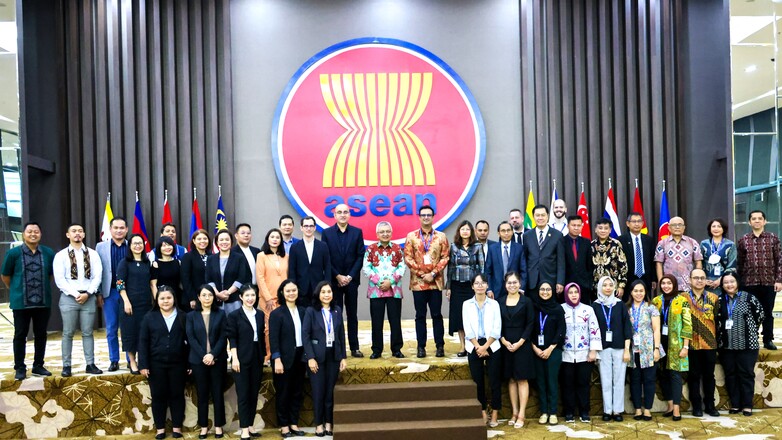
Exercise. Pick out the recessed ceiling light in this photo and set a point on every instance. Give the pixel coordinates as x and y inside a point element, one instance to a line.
<point>751,68</point>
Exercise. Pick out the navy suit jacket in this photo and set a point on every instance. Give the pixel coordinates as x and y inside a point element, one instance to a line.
<point>579,272</point>
<point>493,267</point>
<point>282,335</point>
<point>313,334</point>
<point>254,251</point>
<point>307,275</point>
<point>240,334</point>
<point>196,336</point>
<point>647,248</point>
<point>346,260</point>
<point>235,270</point>
<point>544,263</point>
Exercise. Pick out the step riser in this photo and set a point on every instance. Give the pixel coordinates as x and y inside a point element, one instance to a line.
<point>412,414</point>
<point>346,395</point>
<point>474,433</point>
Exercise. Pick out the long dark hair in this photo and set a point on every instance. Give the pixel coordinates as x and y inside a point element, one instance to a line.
<point>457,238</point>
<point>266,249</point>
<point>214,307</point>
<point>159,245</point>
<point>316,295</point>
<point>192,246</point>
<point>647,294</point>
<point>281,291</point>
<point>129,254</point>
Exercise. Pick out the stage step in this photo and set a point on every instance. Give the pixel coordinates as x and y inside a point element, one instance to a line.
<point>407,411</point>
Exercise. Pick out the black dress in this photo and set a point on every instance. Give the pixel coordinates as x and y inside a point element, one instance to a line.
<point>517,323</point>
<point>135,276</point>
<point>193,275</point>
<point>167,273</point>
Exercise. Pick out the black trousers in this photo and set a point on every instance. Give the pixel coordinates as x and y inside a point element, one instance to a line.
<point>702,364</point>
<point>575,386</point>
<point>377,310</point>
<point>167,390</point>
<point>288,391</point>
<point>766,296</point>
<point>434,300</point>
<point>671,383</point>
<point>323,383</point>
<point>642,384</point>
<point>248,384</point>
<point>209,382</point>
<point>739,366</point>
<point>491,366</point>
<point>348,296</point>
<point>40,318</point>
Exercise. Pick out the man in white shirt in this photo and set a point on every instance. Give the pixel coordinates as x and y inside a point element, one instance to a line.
<point>309,262</point>
<point>243,236</point>
<point>77,273</point>
<point>559,216</point>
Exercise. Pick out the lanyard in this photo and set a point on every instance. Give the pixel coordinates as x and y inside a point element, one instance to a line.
<point>704,299</point>
<point>481,332</point>
<point>426,243</point>
<point>718,248</point>
<point>607,316</point>
<point>636,317</point>
<point>542,321</point>
<point>665,311</point>
<point>327,320</point>
<point>731,304</point>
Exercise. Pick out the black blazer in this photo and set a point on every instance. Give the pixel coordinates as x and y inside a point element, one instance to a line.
<point>254,251</point>
<point>493,267</point>
<point>518,323</point>
<point>648,246</point>
<point>159,346</point>
<point>192,272</point>
<point>578,271</point>
<point>345,260</point>
<point>196,336</point>
<point>544,263</point>
<point>313,334</point>
<point>235,270</point>
<point>240,335</point>
<point>307,275</point>
<point>282,337</point>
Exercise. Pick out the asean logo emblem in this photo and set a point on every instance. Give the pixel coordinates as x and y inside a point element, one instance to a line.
<point>384,126</point>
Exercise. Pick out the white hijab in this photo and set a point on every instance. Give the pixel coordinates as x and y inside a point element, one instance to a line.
<point>606,300</point>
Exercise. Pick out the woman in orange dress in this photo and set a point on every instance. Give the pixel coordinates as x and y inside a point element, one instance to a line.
<point>271,269</point>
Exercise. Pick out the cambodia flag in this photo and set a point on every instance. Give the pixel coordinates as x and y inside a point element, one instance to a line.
<point>665,216</point>
<point>583,212</point>
<point>138,225</point>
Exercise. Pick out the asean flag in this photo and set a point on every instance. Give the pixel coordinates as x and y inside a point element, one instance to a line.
<point>586,231</point>
<point>665,216</point>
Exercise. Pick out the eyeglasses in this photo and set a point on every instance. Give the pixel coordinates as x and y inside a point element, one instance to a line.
<point>426,215</point>
<point>676,225</point>
<point>698,278</point>
<point>480,283</point>
<point>308,226</point>
<point>544,289</point>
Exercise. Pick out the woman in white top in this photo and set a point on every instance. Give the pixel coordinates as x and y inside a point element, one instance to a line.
<point>482,332</point>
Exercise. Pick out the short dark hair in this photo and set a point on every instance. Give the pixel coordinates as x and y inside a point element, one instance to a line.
<point>756,211</point>
<point>159,244</point>
<point>504,222</point>
<point>129,253</point>
<point>602,221</point>
<point>572,218</point>
<point>480,275</point>
<point>540,206</point>
<point>165,225</point>
<point>72,224</point>
<point>242,225</point>
<point>284,217</point>
<point>266,249</point>
<point>214,307</point>
<point>722,223</point>
<point>316,295</point>
<point>32,224</point>
<point>303,219</point>
<point>225,231</point>
<point>197,232</point>
<point>634,214</point>
<point>514,210</point>
<point>119,217</point>
<point>281,291</point>
<point>429,207</point>
<point>247,287</point>
<point>162,289</point>
<point>482,221</point>
<point>511,273</point>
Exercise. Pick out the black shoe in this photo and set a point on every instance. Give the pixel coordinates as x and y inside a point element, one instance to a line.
<point>286,434</point>
<point>585,418</point>
<point>21,374</point>
<point>92,369</point>
<point>734,411</point>
<point>398,354</point>
<point>421,352</point>
<point>160,436</point>
<point>327,432</point>
<point>220,435</point>
<point>202,436</point>
<point>297,433</point>
<point>320,434</point>
<point>462,353</point>
<point>114,366</point>
<point>618,418</point>
<point>668,414</point>
<point>676,418</point>
<point>747,413</point>
<point>647,418</point>
<point>135,372</point>
<point>713,412</point>
<point>357,354</point>
<point>769,346</point>
<point>569,418</point>
<point>258,434</point>
<point>176,435</point>
<point>440,352</point>
<point>638,417</point>
<point>374,356</point>
<point>41,371</point>
<point>606,417</point>
<point>66,371</point>
<point>697,413</point>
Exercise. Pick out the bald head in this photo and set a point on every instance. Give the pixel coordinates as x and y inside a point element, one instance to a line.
<point>342,215</point>
<point>676,226</point>
<point>559,209</point>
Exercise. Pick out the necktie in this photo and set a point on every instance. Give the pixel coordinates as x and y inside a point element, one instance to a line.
<point>505,259</point>
<point>575,249</point>
<point>540,238</point>
<point>517,237</point>
<point>639,264</point>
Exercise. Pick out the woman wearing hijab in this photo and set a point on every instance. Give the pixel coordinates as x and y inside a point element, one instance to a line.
<point>517,313</point>
<point>582,342</point>
<point>616,333</point>
<point>645,319</point>
<point>547,339</point>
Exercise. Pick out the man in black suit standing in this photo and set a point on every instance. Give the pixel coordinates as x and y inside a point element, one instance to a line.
<point>346,249</point>
<point>516,220</point>
<point>309,262</point>
<point>578,259</point>
<point>482,234</point>
<point>541,254</point>
<point>243,236</point>
<point>639,250</point>
<point>503,257</point>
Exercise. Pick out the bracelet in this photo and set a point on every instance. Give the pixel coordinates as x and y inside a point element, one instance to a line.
<point>686,347</point>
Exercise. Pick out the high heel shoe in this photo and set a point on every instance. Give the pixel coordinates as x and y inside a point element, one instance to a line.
<point>513,419</point>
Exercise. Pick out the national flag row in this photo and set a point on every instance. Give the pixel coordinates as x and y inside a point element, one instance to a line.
<point>139,227</point>
<point>609,212</point>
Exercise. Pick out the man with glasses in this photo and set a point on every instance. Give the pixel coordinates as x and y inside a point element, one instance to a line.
<point>503,257</point>
<point>760,270</point>
<point>702,352</point>
<point>427,254</point>
<point>678,255</point>
<point>639,251</point>
<point>309,262</point>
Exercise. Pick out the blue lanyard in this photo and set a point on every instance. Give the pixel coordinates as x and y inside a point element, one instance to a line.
<point>665,311</point>
<point>607,316</point>
<point>481,332</point>
<point>731,304</point>
<point>704,300</point>
<point>327,320</point>
<point>426,243</point>
<point>636,317</point>
<point>718,248</point>
<point>542,321</point>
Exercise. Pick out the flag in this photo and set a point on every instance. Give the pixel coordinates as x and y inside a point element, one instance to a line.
<point>138,225</point>
<point>586,231</point>
<point>195,218</point>
<point>665,217</point>
<point>108,216</point>
<point>220,220</point>
<point>166,212</point>
<point>529,222</point>
<point>554,198</point>
<point>639,209</point>
<point>610,213</point>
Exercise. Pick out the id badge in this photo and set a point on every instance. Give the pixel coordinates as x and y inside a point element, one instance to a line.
<point>609,336</point>
<point>330,340</point>
<point>717,271</point>
<point>665,330</point>
<point>714,258</point>
<point>728,324</point>
<point>427,259</point>
<point>541,340</point>
<point>637,340</point>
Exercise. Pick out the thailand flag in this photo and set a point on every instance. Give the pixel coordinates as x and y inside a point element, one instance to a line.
<point>610,213</point>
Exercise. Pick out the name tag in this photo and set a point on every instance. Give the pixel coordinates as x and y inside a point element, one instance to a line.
<point>541,340</point>
<point>665,330</point>
<point>717,270</point>
<point>330,340</point>
<point>637,340</point>
<point>427,259</point>
<point>714,259</point>
<point>728,324</point>
<point>609,336</point>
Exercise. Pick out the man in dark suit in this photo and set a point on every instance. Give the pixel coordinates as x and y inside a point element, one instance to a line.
<point>635,243</point>
<point>243,236</point>
<point>503,257</point>
<point>309,262</point>
<point>578,259</point>
<point>516,219</point>
<point>541,254</point>
<point>482,234</point>
<point>346,250</point>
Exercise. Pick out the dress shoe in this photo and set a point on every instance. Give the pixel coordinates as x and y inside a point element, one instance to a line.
<point>357,354</point>
<point>606,417</point>
<point>638,417</point>
<point>92,369</point>
<point>668,414</point>
<point>320,434</point>
<point>374,356</point>
<point>298,433</point>
<point>327,432</point>
<point>462,353</point>
<point>114,366</point>
<point>176,435</point>
<point>258,434</point>
<point>202,436</point>
<point>618,418</point>
<point>220,435</point>
<point>440,352</point>
<point>41,371</point>
<point>66,371</point>
<point>747,413</point>
<point>676,418</point>
<point>21,374</point>
<point>769,346</point>
<point>160,436</point>
<point>697,413</point>
<point>647,418</point>
<point>398,355</point>
<point>421,352</point>
<point>286,434</point>
<point>585,418</point>
<point>734,411</point>
<point>713,412</point>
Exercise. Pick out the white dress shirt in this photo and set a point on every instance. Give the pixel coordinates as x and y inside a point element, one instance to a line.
<point>62,272</point>
<point>492,323</point>
<point>309,246</point>
<point>251,316</point>
<point>296,325</point>
<point>248,254</point>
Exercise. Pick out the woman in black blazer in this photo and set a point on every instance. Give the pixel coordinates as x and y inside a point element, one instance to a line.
<point>206,337</point>
<point>226,271</point>
<point>287,353</point>
<point>323,335</point>
<point>162,359</point>
<point>246,335</point>
<point>193,268</point>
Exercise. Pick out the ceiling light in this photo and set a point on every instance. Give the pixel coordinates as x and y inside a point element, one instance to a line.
<point>751,68</point>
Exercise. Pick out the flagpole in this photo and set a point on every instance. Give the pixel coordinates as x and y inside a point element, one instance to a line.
<point>194,193</point>
<point>530,185</point>
<point>609,183</point>
<point>663,184</point>
<point>165,194</point>
<point>137,196</point>
<point>555,184</point>
<point>636,183</point>
<point>219,190</point>
<point>582,186</point>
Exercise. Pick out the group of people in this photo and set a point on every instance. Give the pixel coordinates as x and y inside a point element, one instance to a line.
<point>188,311</point>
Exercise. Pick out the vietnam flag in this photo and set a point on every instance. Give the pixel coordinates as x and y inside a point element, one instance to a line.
<point>586,231</point>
